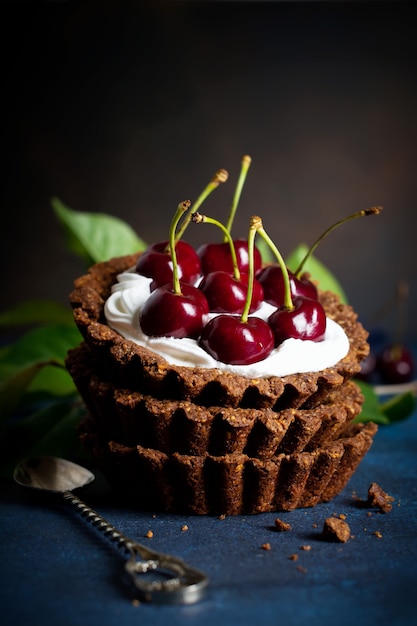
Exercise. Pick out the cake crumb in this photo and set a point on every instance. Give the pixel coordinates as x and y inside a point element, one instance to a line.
<point>335,529</point>
<point>266,546</point>
<point>282,526</point>
<point>305,547</point>
<point>314,525</point>
<point>379,499</point>
<point>293,557</point>
<point>222,516</point>
<point>302,569</point>
<point>149,534</point>
<point>342,516</point>
<point>378,534</point>
<point>184,528</point>
<point>135,602</point>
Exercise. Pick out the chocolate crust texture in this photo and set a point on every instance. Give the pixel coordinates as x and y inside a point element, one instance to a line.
<point>200,441</point>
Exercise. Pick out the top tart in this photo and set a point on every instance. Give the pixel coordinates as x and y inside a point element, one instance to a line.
<point>137,367</point>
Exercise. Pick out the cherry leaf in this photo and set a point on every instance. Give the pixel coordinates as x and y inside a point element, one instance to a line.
<point>325,279</point>
<point>399,407</point>
<point>371,409</point>
<point>96,237</point>
<point>37,312</point>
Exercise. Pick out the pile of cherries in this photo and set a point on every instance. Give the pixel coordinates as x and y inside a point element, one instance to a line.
<point>226,278</point>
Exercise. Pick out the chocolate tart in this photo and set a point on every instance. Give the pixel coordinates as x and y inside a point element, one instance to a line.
<point>138,369</point>
<point>201,441</point>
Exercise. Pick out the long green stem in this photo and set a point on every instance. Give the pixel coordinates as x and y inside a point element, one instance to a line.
<point>198,219</point>
<point>253,227</point>
<point>375,210</point>
<point>220,176</point>
<point>246,161</point>
<point>181,209</point>
<point>288,303</point>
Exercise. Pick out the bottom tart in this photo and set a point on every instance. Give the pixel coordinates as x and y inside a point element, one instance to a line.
<point>231,484</point>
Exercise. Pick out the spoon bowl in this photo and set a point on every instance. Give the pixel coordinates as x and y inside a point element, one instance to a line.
<point>52,474</point>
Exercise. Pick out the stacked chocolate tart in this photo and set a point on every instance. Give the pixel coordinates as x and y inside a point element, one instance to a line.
<point>176,426</point>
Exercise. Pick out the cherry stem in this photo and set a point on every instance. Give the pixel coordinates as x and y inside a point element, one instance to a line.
<point>220,176</point>
<point>181,209</point>
<point>375,210</point>
<point>245,164</point>
<point>288,303</point>
<point>253,228</point>
<point>198,219</point>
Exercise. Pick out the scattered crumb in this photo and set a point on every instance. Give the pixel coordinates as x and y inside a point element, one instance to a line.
<point>342,516</point>
<point>301,569</point>
<point>293,557</point>
<point>184,528</point>
<point>222,516</point>
<point>378,534</point>
<point>282,526</point>
<point>154,516</point>
<point>314,525</point>
<point>135,602</point>
<point>369,513</point>
<point>335,529</point>
<point>266,546</point>
<point>378,498</point>
<point>149,534</point>
<point>307,548</point>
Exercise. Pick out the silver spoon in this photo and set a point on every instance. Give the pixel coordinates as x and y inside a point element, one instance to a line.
<point>173,581</point>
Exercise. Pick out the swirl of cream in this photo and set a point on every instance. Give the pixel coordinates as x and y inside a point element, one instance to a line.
<point>129,294</point>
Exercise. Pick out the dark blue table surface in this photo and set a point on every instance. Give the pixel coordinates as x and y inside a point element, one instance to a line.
<point>57,569</point>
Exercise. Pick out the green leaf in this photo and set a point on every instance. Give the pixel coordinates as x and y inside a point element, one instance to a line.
<point>37,312</point>
<point>399,407</point>
<point>13,388</point>
<point>371,409</point>
<point>22,362</point>
<point>96,237</point>
<point>326,280</point>
<point>50,430</point>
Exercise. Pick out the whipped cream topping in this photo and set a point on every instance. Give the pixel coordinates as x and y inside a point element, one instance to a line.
<point>294,356</point>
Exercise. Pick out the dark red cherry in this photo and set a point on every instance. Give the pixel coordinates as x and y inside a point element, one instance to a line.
<point>225,294</point>
<point>156,263</point>
<point>170,314</point>
<point>307,320</point>
<point>272,281</point>
<point>216,256</point>
<point>368,368</point>
<point>230,340</point>
<point>395,364</point>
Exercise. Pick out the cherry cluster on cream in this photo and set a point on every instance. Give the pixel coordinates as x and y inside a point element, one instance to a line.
<point>228,280</point>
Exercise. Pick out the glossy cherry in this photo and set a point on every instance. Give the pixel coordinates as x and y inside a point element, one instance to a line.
<point>395,364</point>
<point>229,339</point>
<point>156,263</point>
<point>167,313</point>
<point>226,294</point>
<point>306,321</point>
<point>216,256</point>
<point>272,281</point>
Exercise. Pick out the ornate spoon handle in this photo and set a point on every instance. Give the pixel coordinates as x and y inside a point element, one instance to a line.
<point>171,579</point>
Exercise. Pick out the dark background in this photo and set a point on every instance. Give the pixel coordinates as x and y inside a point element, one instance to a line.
<point>129,107</point>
